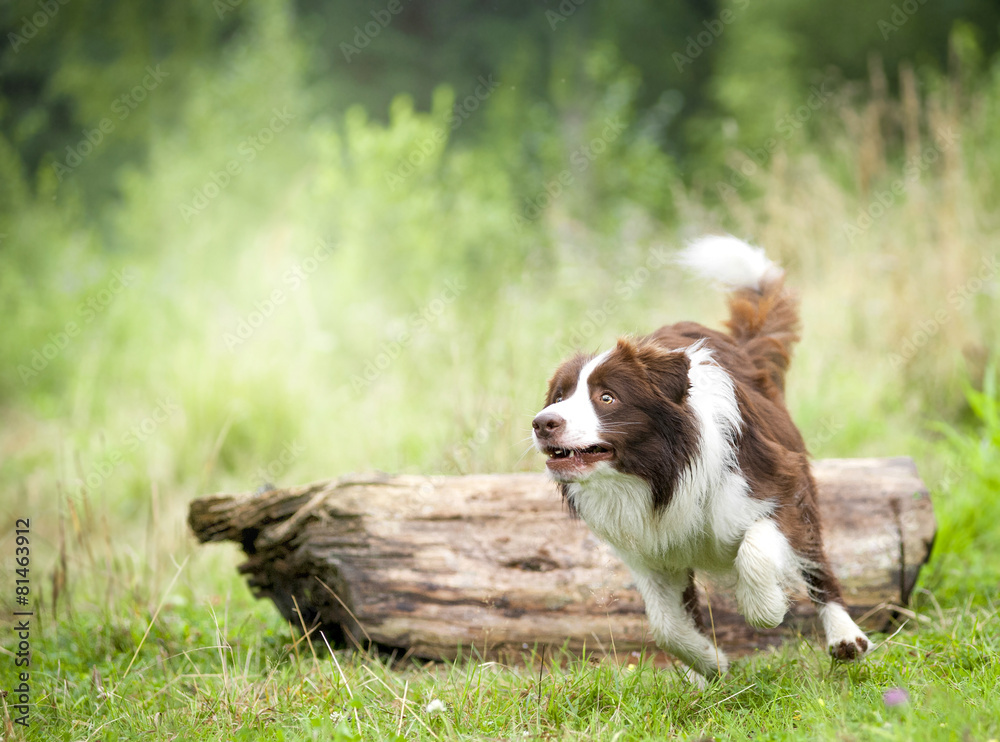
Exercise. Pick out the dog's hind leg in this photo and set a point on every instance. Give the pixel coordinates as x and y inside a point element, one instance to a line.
<point>845,641</point>
<point>672,610</point>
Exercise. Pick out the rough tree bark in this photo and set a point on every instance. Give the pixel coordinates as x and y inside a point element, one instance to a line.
<point>493,563</point>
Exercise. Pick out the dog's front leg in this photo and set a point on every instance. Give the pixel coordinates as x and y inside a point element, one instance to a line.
<point>673,622</point>
<point>764,563</point>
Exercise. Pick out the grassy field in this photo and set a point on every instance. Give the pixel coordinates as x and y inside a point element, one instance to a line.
<point>322,309</point>
<point>181,666</point>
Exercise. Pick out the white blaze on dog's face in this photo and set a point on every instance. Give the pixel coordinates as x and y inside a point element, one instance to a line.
<point>624,410</point>
<point>568,430</point>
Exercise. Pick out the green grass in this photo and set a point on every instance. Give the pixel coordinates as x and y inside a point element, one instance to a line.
<point>229,669</point>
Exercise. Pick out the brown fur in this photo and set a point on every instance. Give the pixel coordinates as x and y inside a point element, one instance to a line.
<point>763,326</point>
<point>659,437</point>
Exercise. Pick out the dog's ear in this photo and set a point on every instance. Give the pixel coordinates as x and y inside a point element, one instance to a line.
<point>668,371</point>
<point>626,350</point>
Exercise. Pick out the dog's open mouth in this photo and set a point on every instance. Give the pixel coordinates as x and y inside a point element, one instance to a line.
<point>572,460</point>
<point>565,453</point>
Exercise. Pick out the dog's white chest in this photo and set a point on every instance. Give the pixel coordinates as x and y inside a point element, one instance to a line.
<point>701,527</point>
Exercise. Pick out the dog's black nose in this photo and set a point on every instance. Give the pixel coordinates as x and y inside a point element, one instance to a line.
<point>547,424</point>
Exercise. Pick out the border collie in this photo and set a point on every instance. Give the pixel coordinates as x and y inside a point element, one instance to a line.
<point>676,449</point>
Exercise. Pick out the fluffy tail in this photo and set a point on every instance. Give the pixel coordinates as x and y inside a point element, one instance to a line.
<point>763,314</point>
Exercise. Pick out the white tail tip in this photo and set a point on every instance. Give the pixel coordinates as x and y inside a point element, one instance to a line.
<point>730,261</point>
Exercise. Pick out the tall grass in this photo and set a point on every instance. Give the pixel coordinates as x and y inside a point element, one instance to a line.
<point>315,316</point>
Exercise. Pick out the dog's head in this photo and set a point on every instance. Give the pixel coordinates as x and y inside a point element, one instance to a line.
<point>623,410</point>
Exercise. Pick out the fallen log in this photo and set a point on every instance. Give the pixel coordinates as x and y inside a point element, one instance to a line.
<point>437,565</point>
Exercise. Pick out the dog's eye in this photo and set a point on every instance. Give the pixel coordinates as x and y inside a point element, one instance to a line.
<point>558,397</point>
<point>607,398</point>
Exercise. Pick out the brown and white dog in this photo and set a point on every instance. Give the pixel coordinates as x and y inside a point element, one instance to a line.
<point>676,449</point>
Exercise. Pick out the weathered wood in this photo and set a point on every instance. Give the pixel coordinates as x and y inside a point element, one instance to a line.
<point>493,562</point>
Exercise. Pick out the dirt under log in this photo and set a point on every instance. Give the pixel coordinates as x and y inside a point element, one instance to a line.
<point>437,565</point>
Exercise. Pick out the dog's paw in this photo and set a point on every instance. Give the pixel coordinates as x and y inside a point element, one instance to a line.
<point>762,607</point>
<point>845,641</point>
<point>768,618</point>
<point>850,649</point>
<point>707,674</point>
<point>696,679</point>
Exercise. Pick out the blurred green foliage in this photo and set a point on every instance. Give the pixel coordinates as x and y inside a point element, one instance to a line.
<point>265,241</point>
<point>972,511</point>
<point>66,61</point>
